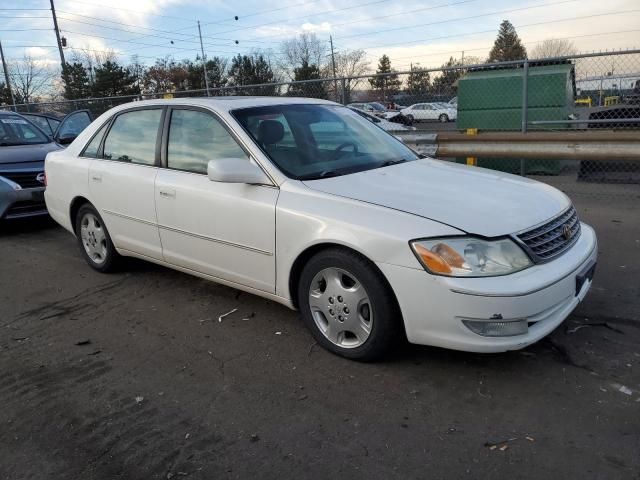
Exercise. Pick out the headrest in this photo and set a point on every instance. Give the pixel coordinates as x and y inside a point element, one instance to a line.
<point>270,132</point>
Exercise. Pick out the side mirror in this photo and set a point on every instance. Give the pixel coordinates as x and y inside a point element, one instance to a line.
<point>236,170</point>
<point>65,139</point>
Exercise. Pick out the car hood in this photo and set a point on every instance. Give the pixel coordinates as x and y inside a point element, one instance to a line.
<point>475,200</point>
<point>26,153</point>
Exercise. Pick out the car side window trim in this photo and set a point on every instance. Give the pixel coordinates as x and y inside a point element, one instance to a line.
<point>98,131</point>
<point>159,134</point>
<point>164,153</point>
<point>165,140</point>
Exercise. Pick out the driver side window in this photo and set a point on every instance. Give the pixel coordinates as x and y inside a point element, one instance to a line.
<point>196,137</point>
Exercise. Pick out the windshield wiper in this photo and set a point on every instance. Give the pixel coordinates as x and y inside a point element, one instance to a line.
<point>388,163</point>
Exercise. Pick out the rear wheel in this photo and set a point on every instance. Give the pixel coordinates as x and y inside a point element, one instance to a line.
<point>348,305</point>
<point>94,240</point>
<point>444,118</point>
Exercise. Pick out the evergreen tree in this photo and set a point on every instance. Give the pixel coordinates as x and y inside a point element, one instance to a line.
<point>508,45</point>
<point>389,84</point>
<point>251,70</point>
<point>112,79</point>
<point>310,90</point>
<point>418,82</point>
<point>445,83</point>
<point>76,81</point>
<point>5,94</point>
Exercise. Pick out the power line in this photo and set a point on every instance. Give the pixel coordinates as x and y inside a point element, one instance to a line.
<point>433,54</point>
<point>334,10</point>
<point>568,19</point>
<point>131,10</point>
<point>407,12</point>
<point>472,17</point>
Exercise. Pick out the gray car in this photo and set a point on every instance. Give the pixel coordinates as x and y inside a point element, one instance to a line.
<point>23,148</point>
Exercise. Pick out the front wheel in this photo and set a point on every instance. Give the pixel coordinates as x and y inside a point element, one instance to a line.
<point>348,306</point>
<point>94,240</point>
<point>444,118</point>
<point>410,119</point>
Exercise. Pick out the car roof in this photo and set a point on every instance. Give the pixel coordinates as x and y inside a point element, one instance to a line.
<point>229,103</point>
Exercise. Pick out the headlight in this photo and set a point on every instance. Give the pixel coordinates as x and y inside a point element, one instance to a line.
<point>470,257</point>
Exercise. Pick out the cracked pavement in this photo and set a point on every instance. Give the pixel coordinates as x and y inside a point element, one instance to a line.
<point>131,376</point>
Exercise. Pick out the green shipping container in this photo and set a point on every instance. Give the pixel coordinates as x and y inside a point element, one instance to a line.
<point>491,99</point>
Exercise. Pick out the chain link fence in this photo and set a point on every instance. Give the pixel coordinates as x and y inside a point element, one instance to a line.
<point>578,93</point>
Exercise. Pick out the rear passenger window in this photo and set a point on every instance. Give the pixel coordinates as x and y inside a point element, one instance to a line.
<point>132,137</point>
<point>197,137</point>
<point>91,150</point>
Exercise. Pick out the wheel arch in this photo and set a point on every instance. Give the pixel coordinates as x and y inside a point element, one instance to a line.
<point>304,256</point>
<point>74,207</point>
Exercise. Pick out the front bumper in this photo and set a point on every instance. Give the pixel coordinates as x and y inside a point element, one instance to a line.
<point>434,307</point>
<point>21,203</point>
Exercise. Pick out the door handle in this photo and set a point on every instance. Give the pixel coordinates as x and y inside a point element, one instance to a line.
<point>96,178</point>
<point>167,193</point>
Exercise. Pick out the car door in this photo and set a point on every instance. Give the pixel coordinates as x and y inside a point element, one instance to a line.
<point>122,180</point>
<point>71,126</point>
<point>226,230</point>
<point>418,112</point>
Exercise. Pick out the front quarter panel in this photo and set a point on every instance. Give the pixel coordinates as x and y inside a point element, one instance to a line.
<point>306,218</point>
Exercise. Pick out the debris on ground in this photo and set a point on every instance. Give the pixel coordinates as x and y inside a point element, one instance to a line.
<point>531,439</point>
<point>227,314</point>
<point>202,320</point>
<point>139,399</point>
<point>83,342</point>
<point>250,316</point>
<point>254,438</point>
<point>625,390</point>
<point>575,329</point>
<point>278,333</point>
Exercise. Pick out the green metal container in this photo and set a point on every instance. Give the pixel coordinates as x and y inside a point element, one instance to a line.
<point>491,99</point>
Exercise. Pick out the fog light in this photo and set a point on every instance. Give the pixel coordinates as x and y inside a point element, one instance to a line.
<point>497,329</point>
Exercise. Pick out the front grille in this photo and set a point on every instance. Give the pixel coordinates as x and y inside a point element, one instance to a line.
<point>24,179</point>
<point>554,237</point>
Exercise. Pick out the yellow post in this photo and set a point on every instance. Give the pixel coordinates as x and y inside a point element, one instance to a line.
<point>472,160</point>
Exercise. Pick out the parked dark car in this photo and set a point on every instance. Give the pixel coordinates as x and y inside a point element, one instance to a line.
<point>23,148</point>
<point>47,122</point>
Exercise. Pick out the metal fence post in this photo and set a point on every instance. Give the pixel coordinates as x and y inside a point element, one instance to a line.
<point>525,106</point>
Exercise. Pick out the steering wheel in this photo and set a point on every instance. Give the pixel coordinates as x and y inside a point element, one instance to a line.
<point>337,153</point>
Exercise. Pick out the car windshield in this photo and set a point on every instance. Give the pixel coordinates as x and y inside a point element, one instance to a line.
<point>318,141</point>
<point>15,130</point>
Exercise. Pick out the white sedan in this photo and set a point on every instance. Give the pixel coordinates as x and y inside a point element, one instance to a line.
<point>422,112</point>
<point>305,202</point>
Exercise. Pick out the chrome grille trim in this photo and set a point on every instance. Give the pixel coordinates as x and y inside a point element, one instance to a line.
<point>545,242</point>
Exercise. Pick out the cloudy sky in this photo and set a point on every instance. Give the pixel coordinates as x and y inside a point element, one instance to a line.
<point>409,31</point>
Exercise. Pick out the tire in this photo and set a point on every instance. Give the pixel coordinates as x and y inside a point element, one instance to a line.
<point>348,305</point>
<point>94,240</point>
<point>410,120</point>
<point>444,118</point>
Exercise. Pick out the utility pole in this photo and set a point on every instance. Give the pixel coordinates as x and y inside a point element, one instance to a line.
<point>462,61</point>
<point>204,61</point>
<point>55,26</point>
<point>6,77</point>
<point>333,63</point>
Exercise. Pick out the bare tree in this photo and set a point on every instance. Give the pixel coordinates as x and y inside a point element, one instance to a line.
<point>305,49</point>
<point>92,59</point>
<point>554,47</point>
<point>30,78</point>
<point>349,63</point>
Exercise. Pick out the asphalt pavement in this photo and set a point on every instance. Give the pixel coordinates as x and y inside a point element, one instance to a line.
<point>132,376</point>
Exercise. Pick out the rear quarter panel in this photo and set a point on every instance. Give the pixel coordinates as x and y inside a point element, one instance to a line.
<point>67,178</point>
